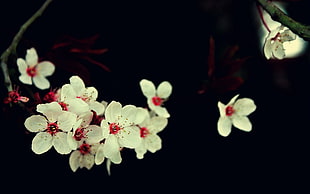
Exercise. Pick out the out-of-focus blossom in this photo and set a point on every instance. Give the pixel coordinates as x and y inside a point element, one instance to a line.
<point>15,97</point>
<point>273,47</point>
<point>33,71</point>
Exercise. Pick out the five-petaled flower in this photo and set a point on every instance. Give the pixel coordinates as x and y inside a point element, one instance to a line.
<point>120,125</point>
<point>51,128</point>
<point>84,156</point>
<point>273,47</point>
<point>33,71</point>
<point>156,96</point>
<point>148,132</point>
<point>235,113</point>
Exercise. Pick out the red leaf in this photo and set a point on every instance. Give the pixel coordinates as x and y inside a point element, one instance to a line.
<point>211,56</point>
<point>226,84</point>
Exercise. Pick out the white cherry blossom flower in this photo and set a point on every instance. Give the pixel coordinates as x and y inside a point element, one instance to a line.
<point>80,98</point>
<point>33,71</point>
<point>120,126</point>
<point>156,96</point>
<point>51,128</point>
<point>148,132</point>
<point>84,156</point>
<point>235,113</point>
<point>82,130</point>
<point>273,47</point>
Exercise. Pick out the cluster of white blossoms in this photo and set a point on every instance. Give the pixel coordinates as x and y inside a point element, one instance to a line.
<point>67,124</point>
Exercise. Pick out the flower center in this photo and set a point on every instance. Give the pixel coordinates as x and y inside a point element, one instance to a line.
<point>52,128</point>
<point>229,110</point>
<point>114,128</point>
<point>31,71</point>
<point>144,132</point>
<point>79,134</point>
<point>157,101</point>
<point>63,105</point>
<point>84,148</point>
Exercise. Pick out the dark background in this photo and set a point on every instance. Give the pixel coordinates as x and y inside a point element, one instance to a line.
<point>169,40</point>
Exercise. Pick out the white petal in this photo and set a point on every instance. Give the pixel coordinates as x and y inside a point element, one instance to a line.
<point>26,79</point>
<point>141,150</point>
<point>31,57</point>
<point>232,101</point>
<point>242,122</point>
<point>77,84</point>
<point>45,68</point>
<point>224,126</point>
<point>74,160</point>
<point>88,161</point>
<point>113,111</point>
<point>157,124</point>
<point>267,49</point>
<point>128,115</point>
<point>22,65</point>
<point>60,143</point>
<point>94,134</point>
<point>129,137</point>
<point>288,35</point>
<point>244,106</point>
<point>278,50</point>
<point>50,110</point>
<point>66,120</point>
<point>36,123</point>
<point>99,157</point>
<point>105,127</point>
<point>67,92</point>
<point>77,106</point>
<point>164,89</point>
<point>148,88</point>
<point>153,142</point>
<point>142,115</point>
<point>41,82</point>
<point>73,144</point>
<point>97,107</point>
<point>222,108</point>
<point>41,143</point>
<point>85,118</point>
<point>111,149</point>
<point>90,93</point>
<point>161,111</point>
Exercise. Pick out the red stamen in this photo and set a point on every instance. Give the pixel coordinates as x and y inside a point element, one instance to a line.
<point>85,148</point>
<point>52,128</point>
<point>229,110</point>
<point>157,101</point>
<point>144,132</point>
<point>31,71</point>
<point>114,128</point>
<point>79,134</point>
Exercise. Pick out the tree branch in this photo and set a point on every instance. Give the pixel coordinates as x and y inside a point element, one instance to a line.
<point>12,48</point>
<point>278,15</point>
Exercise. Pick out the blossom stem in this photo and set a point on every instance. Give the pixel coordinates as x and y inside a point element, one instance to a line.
<point>12,48</point>
<point>261,15</point>
<point>278,15</point>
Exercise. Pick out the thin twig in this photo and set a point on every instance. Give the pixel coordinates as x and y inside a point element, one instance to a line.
<point>12,48</point>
